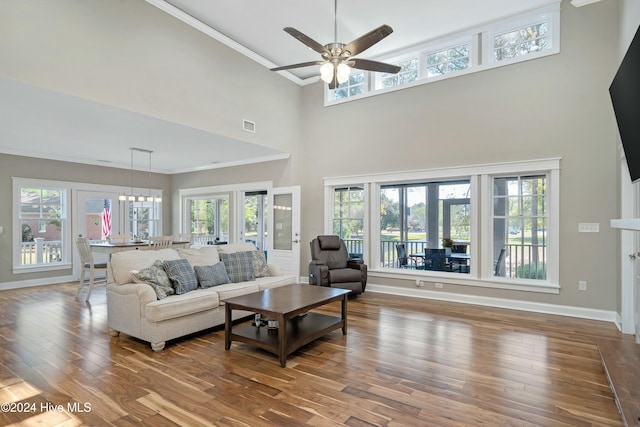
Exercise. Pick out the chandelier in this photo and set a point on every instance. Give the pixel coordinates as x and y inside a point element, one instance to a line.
<point>131,197</point>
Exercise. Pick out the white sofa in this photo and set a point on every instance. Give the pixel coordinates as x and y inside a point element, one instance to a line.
<point>134,309</point>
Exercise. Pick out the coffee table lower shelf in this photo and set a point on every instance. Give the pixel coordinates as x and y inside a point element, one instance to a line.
<point>300,331</point>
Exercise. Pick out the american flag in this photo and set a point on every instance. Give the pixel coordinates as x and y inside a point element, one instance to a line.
<point>106,219</point>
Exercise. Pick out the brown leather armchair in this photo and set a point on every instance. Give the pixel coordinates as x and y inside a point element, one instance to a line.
<point>330,266</point>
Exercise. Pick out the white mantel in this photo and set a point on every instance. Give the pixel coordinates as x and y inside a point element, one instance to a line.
<point>626,223</point>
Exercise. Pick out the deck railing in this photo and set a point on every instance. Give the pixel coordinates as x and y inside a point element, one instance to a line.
<point>521,260</point>
<point>40,251</point>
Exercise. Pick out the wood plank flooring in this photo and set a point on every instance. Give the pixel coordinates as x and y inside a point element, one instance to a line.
<point>404,362</point>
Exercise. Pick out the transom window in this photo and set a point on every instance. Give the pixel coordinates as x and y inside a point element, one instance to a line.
<point>517,38</point>
<point>352,87</point>
<point>407,74</point>
<point>448,60</point>
<point>520,42</point>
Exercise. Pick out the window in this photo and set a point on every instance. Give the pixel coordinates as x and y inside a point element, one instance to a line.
<point>352,87</point>
<point>41,226</point>
<point>520,226</point>
<point>448,60</point>
<point>408,73</point>
<point>144,219</point>
<point>496,224</point>
<point>421,216</point>
<point>517,38</point>
<point>520,42</point>
<point>256,218</point>
<point>348,218</point>
<point>209,218</point>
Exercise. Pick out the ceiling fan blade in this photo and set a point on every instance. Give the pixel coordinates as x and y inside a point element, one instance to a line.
<point>367,64</point>
<point>302,64</point>
<point>308,41</point>
<point>364,42</point>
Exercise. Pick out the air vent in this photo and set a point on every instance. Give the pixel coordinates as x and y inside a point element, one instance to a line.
<point>249,126</point>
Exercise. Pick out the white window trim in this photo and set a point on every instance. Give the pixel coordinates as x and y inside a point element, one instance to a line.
<point>481,184</point>
<point>549,13</point>
<point>235,192</point>
<point>479,37</point>
<point>72,222</point>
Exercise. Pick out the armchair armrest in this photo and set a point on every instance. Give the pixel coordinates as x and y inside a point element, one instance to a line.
<point>358,264</point>
<point>318,273</point>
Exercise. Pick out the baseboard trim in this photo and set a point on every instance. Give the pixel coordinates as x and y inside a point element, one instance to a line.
<point>19,284</point>
<point>536,307</point>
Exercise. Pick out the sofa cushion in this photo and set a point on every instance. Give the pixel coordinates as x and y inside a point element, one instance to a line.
<point>181,305</point>
<point>182,275</point>
<point>236,247</point>
<point>260,267</point>
<point>207,255</point>
<point>157,278</point>
<point>123,262</point>
<point>275,281</point>
<point>239,266</point>
<point>231,290</point>
<point>212,275</point>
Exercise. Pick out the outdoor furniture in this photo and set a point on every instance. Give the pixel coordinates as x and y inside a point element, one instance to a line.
<point>331,266</point>
<point>88,265</point>
<point>436,259</point>
<point>499,263</point>
<point>403,259</point>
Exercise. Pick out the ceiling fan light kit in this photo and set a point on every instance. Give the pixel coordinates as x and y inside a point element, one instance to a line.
<point>338,57</point>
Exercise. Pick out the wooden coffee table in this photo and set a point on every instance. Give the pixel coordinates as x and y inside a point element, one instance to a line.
<point>288,305</point>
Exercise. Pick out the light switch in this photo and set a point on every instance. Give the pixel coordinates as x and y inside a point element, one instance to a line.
<point>1,229</point>
<point>589,227</point>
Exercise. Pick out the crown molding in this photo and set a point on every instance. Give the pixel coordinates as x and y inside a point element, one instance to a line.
<point>579,3</point>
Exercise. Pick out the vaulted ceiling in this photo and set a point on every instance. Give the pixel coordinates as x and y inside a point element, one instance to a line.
<point>254,28</point>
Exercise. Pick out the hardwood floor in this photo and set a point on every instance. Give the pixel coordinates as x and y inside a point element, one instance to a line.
<point>404,362</point>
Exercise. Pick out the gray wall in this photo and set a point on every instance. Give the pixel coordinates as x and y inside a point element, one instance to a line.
<point>557,106</point>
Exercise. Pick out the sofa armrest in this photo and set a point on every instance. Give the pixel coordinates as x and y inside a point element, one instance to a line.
<point>274,270</point>
<point>142,291</point>
<point>318,273</point>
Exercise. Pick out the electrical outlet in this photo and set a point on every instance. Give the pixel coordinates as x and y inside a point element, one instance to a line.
<point>419,283</point>
<point>582,285</point>
<point>439,285</point>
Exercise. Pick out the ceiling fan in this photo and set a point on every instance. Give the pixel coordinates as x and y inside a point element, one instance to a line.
<point>337,58</point>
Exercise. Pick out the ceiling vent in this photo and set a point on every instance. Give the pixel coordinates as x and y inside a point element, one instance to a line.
<point>249,126</point>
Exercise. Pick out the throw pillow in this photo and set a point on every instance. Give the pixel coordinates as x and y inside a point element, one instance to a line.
<point>239,266</point>
<point>260,267</point>
<point>182,275</point>
<point>212,275</point>
<point>157,278</point>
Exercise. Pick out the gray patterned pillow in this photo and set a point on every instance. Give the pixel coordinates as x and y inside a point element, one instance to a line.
<point>260,267</point>
<point>239,266</point>
<point>157,278</point>
<point>212,275</point>
<point>182,275</point>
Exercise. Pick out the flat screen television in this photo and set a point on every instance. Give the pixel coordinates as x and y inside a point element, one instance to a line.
<point>625,97</point>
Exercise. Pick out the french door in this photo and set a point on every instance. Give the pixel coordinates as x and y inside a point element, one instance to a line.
<point>284,244</point>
